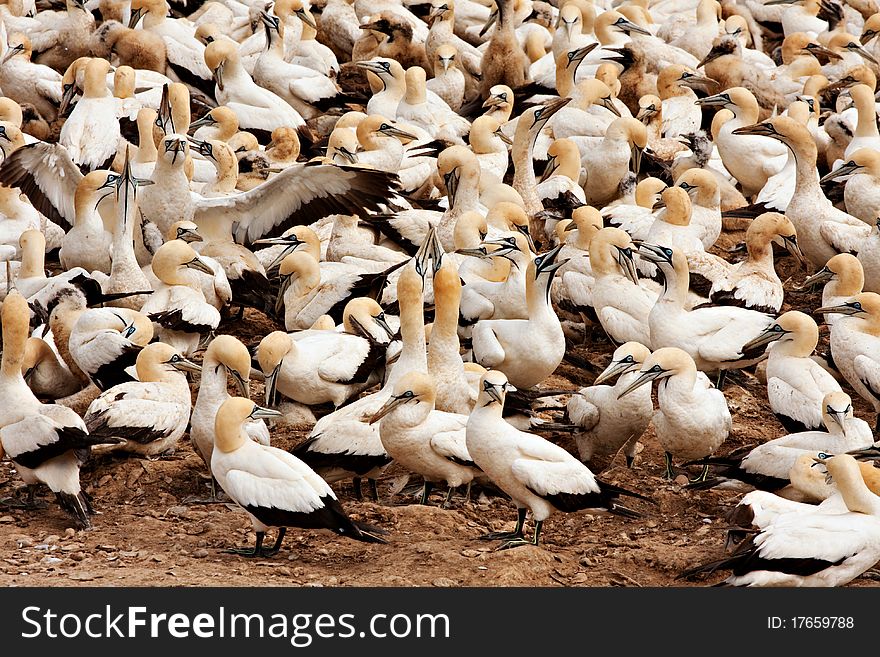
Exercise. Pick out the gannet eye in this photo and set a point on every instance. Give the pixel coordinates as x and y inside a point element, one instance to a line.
<point>777,328</point>
<point>656,369</point>
<point>856,305</point>
<point>667,251</point>
<point>627,359</point>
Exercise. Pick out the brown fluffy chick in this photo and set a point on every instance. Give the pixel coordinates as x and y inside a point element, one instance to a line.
<point>398,43</point>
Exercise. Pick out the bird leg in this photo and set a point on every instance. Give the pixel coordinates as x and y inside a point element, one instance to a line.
<point>250,553</point>
<point>374,489</point>
<point>358,494</point>
<point>670,473</point>
<point>877,424</point>
<point>467,492</point>
<point>426,490</point>
<point>272,551</point>
<point>213,499</point>
<point>516,533</point>
<point>518,542</point>
<point>702,476</point>
<point>722,377</point>
<point>448,497</point>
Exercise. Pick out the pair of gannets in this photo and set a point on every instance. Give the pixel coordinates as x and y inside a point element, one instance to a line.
<point>47,442</point>
<point>767,465</point>
<point>814,549</point>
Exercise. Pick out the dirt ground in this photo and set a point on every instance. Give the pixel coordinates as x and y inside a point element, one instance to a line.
<point>149,534</point>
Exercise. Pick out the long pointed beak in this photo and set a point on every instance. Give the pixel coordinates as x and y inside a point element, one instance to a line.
<point>628,26</point>
<point>608,103</point>
<point>645,113</point>
<point>627,262</point>
<point>768,335</point>
<point>495,394</point>
<point>370,66</point>
<point>425,253</point>
<point>135,17</point>
<point>840,172</point>
<point>493,18</point>
<point>500,134</point>
<point>380,320</point>
<point>218,76</point>
<point>763,129</point>
<point>839,418</point>
<point>699,81</point>
<point>393,131</point>
<point>493,101</point>
<point>241,385</point>
<point>389,406</point>
<point>615,369</point>
<point>652,253</point>
<point>282,289</point>
<point>867,454</point>
<point>553,106</point>
<point>636,158</point>
<point>552,165</point>
<point>347,154</point>
<point>718,100</point>
<point>207,119</point>
<point>820,276</point>
<point>66,98</point>
<point>271,384</point>
<point>306,17</point>
<point>186,365</point>
<point>867,36</point>
<point>477,252</point>
<point>12,52</point>
<point>524,229</point>
<point>818,49</point>
<point>199,265</point>
<point>188,235</point>
<point>842,308</point>
<point>645,377</point>
<point>277,240</point>
<point>451,180</point>
<point>548,261</point>
<point>263,413</point>
<point>791,244</point>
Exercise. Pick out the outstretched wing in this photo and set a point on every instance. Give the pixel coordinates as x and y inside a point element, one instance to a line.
<point>299,195</point>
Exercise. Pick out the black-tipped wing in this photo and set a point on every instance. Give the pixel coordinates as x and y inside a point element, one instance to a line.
<point>46,174</point>
<point>299,195</point>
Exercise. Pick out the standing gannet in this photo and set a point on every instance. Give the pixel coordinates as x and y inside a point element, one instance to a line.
<point>169,198</point>
<point>559,188</point>
<point>504,61</point>
<point>621,305</point>
<point>125,273</point>
<point>499,103</point>
<point>753,283</point>
<point>606,423</point>
<point>751,161</point>
<point>257,108</point>
<point>441,32</point>
<point>91,132</point>
<point>862,172</point>
<point>343,444</point>
<point>705,192</point>
<point>529,125</point>
<point>306,50</point>
<point>866,134</point>
<point>571,291</point>
<point>692,419</point>
<point>811,549</point>
<point>681,115</point>
<point>424,440</point>
<point>713,336</point>
<point>151,414</point>
<point>179,308</point>
<point>607,162</point>
<point>324,366</point>
<point>225,355</point>
<point>306,90</point>
<point>490,145</point>
<point>105,342</point>
<point>45,373</point>
<point>501,296</point>
<point>28,82</point>
<point>303,296</point>
<point>796,384</point>
<point>768,465</point>
<point>448,81</point>
<point>672,227</point>
<point>274,487</point>
<point>843,277</point>
<point>696,37</point>
<point>822,229</point>
<point>855,344</point>
<point>526,350</point>
<point>452,392</point>
<point>185,53</point>
<point>88,243</point>
<point>633,211</point>
<point>47,443</point>
<point>425,110</point>
<point>539,476</point>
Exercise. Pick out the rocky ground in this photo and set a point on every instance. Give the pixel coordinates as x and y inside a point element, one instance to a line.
<point>150,532</point>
